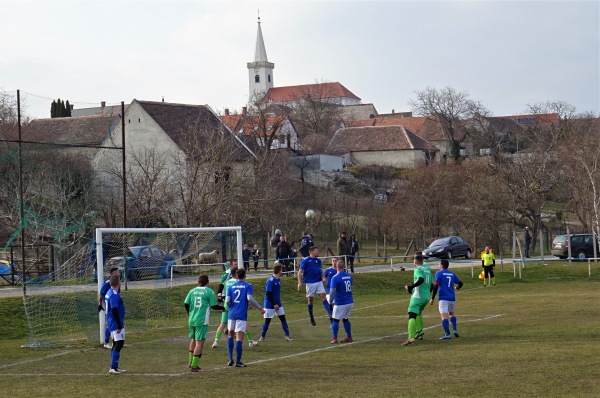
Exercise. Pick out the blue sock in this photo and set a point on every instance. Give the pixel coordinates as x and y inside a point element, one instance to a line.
<point>106,336</point>
<point>264,330</point>
<point>114,356</point>
<point>238,351</point>
<point>348,328</point>
<point>453,321</point>
<point>230,347</point>
<point>286,329</point>
<point>335,327</point>
<point>326,306</point>
<point>446,326</point>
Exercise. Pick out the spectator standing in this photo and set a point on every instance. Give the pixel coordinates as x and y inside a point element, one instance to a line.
<point>444,282</point>
<point>246,257</point>
<point>115,319</point>
<point>197,304</point>
<point>343,247</point>
<point>353,250</point>
<point>256,257</point>
<point>283,253</point>
<point>306,242</point>
<point>275,239</point>
<point>527,240</point>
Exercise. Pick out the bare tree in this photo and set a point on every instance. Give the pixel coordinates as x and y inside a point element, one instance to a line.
<point>579,155</point>
<point>316,117</point>
<point>452,108</point>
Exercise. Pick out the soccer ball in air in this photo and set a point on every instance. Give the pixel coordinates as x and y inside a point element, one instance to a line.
<point>310,214</point>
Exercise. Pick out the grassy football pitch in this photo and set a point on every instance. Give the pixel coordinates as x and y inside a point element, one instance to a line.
<point>533,337</point>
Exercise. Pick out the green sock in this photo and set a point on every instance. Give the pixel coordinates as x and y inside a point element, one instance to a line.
<point>412,328</point>
<point>190,356</point>
<point>494,280</point>
<point>249,335</point>
<point>195,360</point>
<point>419,322</point>
<point>218,335</point>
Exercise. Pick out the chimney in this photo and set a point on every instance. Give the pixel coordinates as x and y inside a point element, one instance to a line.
<point>244,111</point>
<point>226,112</point>
<point>393,111</point>
<point>72,106</point>
<point>103,104</point>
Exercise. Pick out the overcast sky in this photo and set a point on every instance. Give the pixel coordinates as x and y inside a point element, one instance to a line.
<point>507,54</point>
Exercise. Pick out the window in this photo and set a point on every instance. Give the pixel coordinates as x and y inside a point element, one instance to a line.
<point>269,78</point>
<point>256,79</point>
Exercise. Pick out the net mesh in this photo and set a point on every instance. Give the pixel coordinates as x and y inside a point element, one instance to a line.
<point>62,305</point>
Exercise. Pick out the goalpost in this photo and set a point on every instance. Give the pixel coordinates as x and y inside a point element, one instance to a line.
<point>154,253</point>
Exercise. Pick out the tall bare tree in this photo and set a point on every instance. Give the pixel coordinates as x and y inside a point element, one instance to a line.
<point>452,108</point>
<point>316,117</point>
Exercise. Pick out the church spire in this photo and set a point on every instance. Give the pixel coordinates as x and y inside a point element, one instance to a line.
<point>260,70</point>
<point>260,53</point>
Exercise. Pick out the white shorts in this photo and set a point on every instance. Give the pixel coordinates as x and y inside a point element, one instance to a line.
<point>270,312</point>
<point>118,336</point>
<point>312,289</point>
<point>236,325</point>
<point>446,306</point>
<point>342,311</point>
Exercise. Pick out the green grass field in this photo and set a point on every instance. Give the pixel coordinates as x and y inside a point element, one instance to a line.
<point>533,337</point>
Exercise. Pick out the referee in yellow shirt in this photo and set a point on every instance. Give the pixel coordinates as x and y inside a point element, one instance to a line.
<point>488,262</point>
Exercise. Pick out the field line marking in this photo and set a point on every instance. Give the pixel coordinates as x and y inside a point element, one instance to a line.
<point>338,346</point>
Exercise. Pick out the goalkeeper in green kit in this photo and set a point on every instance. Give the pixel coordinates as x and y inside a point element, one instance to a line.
<point>420,294</point>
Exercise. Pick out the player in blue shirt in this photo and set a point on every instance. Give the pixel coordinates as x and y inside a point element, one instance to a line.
<point>328,274</point>
<point>239,295</point>
<point>103,290</point>
<point>311,273</point>
<point>444,283</point>
<point>272,303</point>
<point>115,320</point>
<point>340,296</point>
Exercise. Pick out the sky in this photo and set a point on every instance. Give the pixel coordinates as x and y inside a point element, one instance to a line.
<point>505,54</point>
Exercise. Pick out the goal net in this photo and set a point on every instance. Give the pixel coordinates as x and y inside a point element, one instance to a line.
<point>62,305</point>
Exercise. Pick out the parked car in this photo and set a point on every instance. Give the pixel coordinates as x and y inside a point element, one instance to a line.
<point>582,246</point>
<point>143,261</point>
<point>448,247</point>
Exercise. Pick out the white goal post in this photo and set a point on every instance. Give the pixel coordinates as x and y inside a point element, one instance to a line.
<point>101,233</point>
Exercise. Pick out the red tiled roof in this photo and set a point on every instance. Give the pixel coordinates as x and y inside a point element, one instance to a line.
<point>250,125</point>
<point>322,90</point>
<point>231,121</point>
<point>429,128</point>
<point>377,138</point>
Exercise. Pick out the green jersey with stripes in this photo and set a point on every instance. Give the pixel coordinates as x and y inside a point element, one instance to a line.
<point>200,299</point>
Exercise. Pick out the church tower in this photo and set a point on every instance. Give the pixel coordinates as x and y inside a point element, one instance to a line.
<point>260,71</point>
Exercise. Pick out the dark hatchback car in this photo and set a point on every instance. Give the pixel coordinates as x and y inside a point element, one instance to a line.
<point>448,247</point>
<point>581,246</point>
<point>144,262</point>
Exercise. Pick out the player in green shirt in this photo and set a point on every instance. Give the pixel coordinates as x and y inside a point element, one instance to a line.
<point>198,303</point>
<point>428,281</point>
<point>420,294</point>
